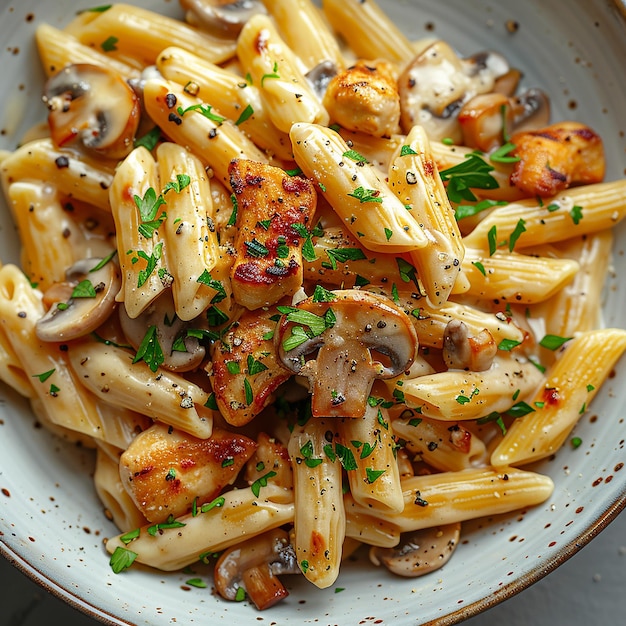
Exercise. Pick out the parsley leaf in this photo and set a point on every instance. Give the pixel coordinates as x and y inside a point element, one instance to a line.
<point>366,195</point>
<point>204,109</point>
<point>122,559</point>
<point>150,350</point>
<point>473,172</point>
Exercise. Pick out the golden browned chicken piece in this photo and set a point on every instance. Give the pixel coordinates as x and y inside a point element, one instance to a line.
<point>165,469</point>
<point>245,370</point>
<point>365,98</point>
<point>273,209</point>
<point>555,157</point>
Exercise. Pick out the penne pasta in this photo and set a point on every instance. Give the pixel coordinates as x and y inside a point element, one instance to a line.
<point>577,211</point>
<point>319,518</point>
<point>296,18</point>
<point>190,122</point>
<point>461,395</point>
<point>136,36</point>
<point>515,277</point>
<point>413,176</point>
<point>570,386</point>
<point>75,175</point>
<point>111,375</point>
<point>447,448</point>
<point>367,207</point>
<point>216,526</point>
<point>189,235</point>
<point>141,256</point>
<point>374,479</point>
<point>58,48</point>
<point>230,94</point>
<point>368,30</point>
<point>450,497</point>
<point>275,70</point>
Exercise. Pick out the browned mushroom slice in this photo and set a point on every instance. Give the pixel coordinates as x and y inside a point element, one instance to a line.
<point>253,566</point>
<point>419,553</point>
<point>349,331</point>
<point>436,84</point>
<point>82,303</point>
<point>462,351</point>
<point>182,350</point>
<point>94,105</point>
<point>221,17</point>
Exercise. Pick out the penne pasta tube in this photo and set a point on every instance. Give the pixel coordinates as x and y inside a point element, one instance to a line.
<point>276,71</point>
<point>575,308</point>
<point>75,175</point>
<point>368,30</point>
<point>366,205</point>
<point>414,178</point>
<point>375,479</point>
<point>140,256</point>
<point>11,371</point>
<point>450,497</point>
<point>213,139</point>
<point>571,384</point>
<point>517,278</point>
<point>297,18</point>
<point>65,401</point>
<point>431,323</point>
<point>58,48</point>
<point>115,499</point>
<point>446,447</point>
<point>189,233</point>
<point>111,374</point>
<point>236,515</point>
<point>136,36</point>
<point>230,94</point>
<point>460,395</point>
<point>369,529</point>
<point>49,236</point>
<point>319,518</point>
<point>576,211</point>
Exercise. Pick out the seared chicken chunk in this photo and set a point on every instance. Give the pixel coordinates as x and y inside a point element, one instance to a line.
<point>365,98</point>
<point>273,211</point>
<point>165,469</point>
<point>245,370</point>
<point>556,157</point>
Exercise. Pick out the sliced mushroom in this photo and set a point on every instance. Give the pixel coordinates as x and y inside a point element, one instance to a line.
<point>348,331</point>
<point>420,552</point>
<point>181,351</point>
<point>95,105</point>
<point>320,76</point>
<point>437,83</point>
<point>82,303</point>
<point>486,119</point>
<point>221,17</point>
<point>254,565</point>
<point>462,351</point>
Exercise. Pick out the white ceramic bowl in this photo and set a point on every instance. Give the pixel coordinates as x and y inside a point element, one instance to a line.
<point>51,523</point>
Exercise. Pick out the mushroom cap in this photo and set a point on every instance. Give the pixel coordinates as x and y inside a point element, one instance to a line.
<point>224,18</point>
<point>358,326</point>
<point>181,352</point>
<point>92,104</point>
<point>92,285</point>
<point>420,552</point>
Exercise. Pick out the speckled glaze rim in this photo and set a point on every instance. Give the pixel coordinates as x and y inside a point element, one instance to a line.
<point>505,592</point>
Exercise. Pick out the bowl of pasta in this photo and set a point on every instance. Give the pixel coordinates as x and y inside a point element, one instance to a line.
<point>309,311</point>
